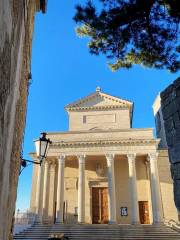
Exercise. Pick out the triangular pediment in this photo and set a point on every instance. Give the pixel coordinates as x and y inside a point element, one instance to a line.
<point>99,99</point>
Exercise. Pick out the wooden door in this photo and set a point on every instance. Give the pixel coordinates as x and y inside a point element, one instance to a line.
<point>95,205</point>
<point>99,205</point>
<point>55,206</point>
<point>144,212</point>
<point>104,205</point>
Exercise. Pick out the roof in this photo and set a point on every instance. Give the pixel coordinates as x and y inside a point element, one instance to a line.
<point>99,100</point>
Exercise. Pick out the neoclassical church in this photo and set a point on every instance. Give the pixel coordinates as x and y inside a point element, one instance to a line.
<point>102,170</point>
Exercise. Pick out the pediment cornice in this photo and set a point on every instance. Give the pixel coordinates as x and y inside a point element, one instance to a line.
<point>98,108</point>
<point>110,102</point>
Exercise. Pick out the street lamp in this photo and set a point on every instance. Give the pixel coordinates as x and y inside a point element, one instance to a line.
<point>42,145</point>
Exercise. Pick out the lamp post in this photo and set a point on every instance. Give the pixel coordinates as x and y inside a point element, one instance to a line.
<point>42,145</point>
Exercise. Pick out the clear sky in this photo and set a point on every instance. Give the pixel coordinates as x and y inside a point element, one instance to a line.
<point>64,71</point>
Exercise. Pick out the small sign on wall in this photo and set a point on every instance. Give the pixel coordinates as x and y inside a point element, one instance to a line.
<point>124,211</point>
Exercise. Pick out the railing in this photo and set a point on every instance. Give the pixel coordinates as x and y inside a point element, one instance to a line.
<point>172,224</point>
<point>24,218</point>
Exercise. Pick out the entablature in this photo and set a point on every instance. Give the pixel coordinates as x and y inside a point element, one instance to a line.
<point>103,135</point>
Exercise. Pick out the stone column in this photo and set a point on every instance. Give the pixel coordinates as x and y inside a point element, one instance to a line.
<point>111,188</point>
<point>81,189</point>
<point>51,192</point>
<point>45,189</point>
<point>133,188</point>
<point>40,179</point>
<point>60,190</point>
<point>155,188</point>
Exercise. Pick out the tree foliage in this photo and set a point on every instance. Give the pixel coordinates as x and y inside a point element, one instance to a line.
<point>132,31</point>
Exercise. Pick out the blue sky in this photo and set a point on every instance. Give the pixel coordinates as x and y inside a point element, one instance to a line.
<point>64,71</point>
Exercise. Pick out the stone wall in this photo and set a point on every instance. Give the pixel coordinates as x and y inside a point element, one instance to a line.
<point>16,28</point>
<point>170,103</point>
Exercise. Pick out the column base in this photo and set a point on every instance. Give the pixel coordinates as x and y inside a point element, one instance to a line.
<point>157,222</point>
<point>135,223</point>
<point>81,221</point>
<point>112,222</point>
<point>60,222</point>
<point>38,219</point>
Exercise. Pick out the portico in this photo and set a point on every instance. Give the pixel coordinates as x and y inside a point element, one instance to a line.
<point>106,175</point>
<point>101,170</point>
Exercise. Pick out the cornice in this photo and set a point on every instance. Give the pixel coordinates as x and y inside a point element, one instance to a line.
<point>105,107</point>
<point>122,142</point>
<point>101,131</point>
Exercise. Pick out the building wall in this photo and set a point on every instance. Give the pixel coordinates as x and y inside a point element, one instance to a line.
<point>166,186</point>
<point>16,27</point>
<point>170,104</point>
<point>143,183</point>
<point>71,186</point>
<point>121,188</point>
<point>109,119</point>
<point>160,129</point>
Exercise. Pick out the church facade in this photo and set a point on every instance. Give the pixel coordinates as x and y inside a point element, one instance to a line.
<point>102,170</point>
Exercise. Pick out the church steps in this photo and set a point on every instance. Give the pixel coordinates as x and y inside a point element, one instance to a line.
<point>100,232</point>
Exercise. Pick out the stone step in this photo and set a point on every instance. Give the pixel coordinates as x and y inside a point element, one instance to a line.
<point>87,233</point>
<point>107,238</point>
<point>100,232</point>
<point>104,237</point>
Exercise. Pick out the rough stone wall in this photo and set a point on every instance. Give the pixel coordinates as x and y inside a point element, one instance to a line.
<point>170,102</point>
<point>16,27</point>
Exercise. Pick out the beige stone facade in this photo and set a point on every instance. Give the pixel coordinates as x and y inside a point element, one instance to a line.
<point>102,170</point>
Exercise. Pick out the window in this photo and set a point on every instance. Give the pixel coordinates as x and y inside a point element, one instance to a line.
<point>84,119</point>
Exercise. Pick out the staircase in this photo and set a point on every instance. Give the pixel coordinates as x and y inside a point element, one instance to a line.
<point>100,232</point>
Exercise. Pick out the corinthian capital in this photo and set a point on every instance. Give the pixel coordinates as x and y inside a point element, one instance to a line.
<point>110,158</point>
<point>131,156</point>
<point>152,156</point>
<point>62,158</point>
<point>81,158</point>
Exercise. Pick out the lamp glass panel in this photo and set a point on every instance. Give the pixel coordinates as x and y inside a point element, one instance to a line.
<point>43,148</point>
<point>37,146</point>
